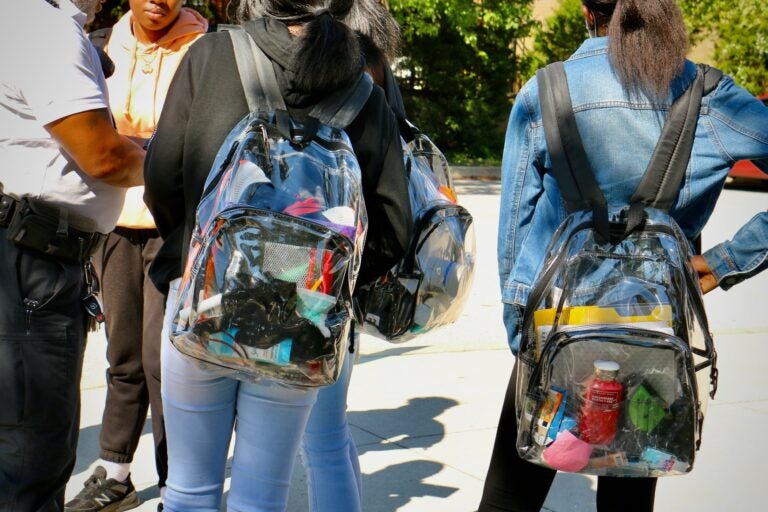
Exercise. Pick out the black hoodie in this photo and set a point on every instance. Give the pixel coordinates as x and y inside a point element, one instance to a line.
<point>206,100</point>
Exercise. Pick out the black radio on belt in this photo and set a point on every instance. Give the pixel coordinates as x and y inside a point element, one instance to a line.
<point>46,228</point>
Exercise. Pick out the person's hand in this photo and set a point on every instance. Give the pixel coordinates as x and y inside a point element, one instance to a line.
<point>707,281</point>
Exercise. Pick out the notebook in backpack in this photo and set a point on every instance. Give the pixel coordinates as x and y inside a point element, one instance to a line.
<point>429,287</point>
<point>612,376</point>
<point>279,232</point>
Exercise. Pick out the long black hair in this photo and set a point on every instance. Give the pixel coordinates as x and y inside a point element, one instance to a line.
<point>373,19</point>
<point>647,42</point>
<point>329,55</point>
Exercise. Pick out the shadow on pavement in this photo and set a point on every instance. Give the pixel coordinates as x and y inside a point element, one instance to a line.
<point>395,486</point>
<point>366,358</point>
<point>410,426</point>
<point>149,493</point>
<point>88,445</point>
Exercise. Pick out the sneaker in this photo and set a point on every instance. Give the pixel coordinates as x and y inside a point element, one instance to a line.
<point>105,495</point>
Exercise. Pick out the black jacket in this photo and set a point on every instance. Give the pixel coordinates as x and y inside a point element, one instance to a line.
<point>206,100</point>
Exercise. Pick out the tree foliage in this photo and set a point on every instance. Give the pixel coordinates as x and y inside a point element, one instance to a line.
<point>559,35</point>
<point>458,68</point>
<point>739,31</point>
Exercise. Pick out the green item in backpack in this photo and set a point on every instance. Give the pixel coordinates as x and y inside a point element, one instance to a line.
<point>646,409</point>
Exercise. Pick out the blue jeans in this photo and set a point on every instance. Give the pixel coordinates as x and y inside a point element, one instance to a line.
<point>328,451</point>
<point>201,410</point>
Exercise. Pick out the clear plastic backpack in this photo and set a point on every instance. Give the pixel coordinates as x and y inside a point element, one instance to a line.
<point>429,287</point>
<point>279,233</point>
<point>616,362</point>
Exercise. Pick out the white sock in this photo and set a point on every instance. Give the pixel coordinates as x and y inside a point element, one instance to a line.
<point>117,470</point>
<point>162,494</point>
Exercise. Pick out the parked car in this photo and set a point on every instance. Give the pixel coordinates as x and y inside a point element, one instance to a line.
<point>745,172</point>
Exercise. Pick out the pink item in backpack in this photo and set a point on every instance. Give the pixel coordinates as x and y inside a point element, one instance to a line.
<point>567,452</point>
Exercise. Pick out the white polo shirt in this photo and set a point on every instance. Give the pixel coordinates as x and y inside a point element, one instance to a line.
<point>47,75</point>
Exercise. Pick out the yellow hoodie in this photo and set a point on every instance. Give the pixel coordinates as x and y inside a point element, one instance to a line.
<point>138,87</point>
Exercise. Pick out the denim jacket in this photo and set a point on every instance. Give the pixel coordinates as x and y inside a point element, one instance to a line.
<point>619,135</point>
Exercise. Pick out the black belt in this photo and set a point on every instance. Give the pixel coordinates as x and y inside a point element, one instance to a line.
<point>137,236</point>
<point>45,228</point>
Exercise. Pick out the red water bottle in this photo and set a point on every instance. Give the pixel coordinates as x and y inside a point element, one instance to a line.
<point>600,408</point>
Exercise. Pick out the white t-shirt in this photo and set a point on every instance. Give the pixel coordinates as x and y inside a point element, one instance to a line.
<point>48,74</point>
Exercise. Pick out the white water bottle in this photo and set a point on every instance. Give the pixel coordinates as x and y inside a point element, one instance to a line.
<point>443,275</point>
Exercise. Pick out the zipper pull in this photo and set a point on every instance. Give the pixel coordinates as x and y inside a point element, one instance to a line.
<point>30,305</point>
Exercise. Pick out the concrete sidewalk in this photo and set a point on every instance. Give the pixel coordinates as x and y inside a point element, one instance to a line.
<point>424,413</point>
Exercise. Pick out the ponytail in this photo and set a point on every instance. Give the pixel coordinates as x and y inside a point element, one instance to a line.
<point>647,45</point>
<point>329,56</point>
<point>373,19</point>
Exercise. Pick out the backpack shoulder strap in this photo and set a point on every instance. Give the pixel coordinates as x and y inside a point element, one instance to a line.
<point>257,75</point>
<point>660,185</point>
<point>342,107</point>
<point>263,92</point>
<point>570,163</point>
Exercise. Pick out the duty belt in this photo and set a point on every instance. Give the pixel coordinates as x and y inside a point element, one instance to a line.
<point>47,229</point>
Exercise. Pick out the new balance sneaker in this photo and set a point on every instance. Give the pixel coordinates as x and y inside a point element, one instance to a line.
<point>100,494</point>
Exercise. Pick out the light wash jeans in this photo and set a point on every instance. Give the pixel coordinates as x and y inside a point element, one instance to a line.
<point>328,451</point>
<point>201,411</point>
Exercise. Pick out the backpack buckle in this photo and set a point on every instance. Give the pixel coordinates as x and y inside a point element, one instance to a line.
<point>627,222</point>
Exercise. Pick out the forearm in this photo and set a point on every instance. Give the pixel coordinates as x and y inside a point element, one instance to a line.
<point>121,166</point>
<point>91,141</point>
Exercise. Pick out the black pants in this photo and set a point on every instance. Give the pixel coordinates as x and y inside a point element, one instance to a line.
<point>42,339</point>
<point>514,484</point>
<point>134,319</point>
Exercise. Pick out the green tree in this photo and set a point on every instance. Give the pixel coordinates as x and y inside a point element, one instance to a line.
<point>739,31</point>
<point>460,62</point>
<point>559,36</point>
